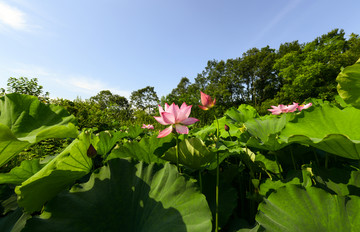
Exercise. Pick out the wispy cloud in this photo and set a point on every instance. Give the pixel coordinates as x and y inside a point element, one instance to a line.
<point>291,5</point>
<point>12,17</point>
<point>90,86</point>
<point>68,86</point>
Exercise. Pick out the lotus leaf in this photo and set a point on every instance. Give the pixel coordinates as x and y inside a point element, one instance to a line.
<point>24,120</point>
<point>192,153</point>
<point>128,196</point>
<point>19,174</point>
<point>107,141</point>
<point>349,84</point>
<point>147,150</point>
<point>242,114</point>
<point>59,173</point>
<point>328,128</point>
<point>264,131</point>
<point>293,208</point>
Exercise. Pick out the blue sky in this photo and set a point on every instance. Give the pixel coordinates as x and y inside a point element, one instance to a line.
<point>80,47</point>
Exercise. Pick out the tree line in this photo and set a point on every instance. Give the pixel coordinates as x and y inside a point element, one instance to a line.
<point>261,77</point>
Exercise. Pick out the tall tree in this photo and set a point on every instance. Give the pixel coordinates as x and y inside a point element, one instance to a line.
<point>145,99</point>
<point>23,85</point>
<point>113,103</point>
<point>311,71</point>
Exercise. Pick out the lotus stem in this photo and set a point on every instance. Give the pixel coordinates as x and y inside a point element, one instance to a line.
<point>316,157</point>
<point>217,181</point>
<point>292,158</point>
<point>277,162</point>
<point>177,153</point>
<point>230,136</point>
<point>326,160</point>
<point>200,181</point>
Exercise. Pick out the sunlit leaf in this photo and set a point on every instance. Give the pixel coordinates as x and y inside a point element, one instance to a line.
<point>265,131</point>
<point>193,153</point>
<point>148,149</point>
<point>328,128</point>
<point>59,173</point>
<point>107,141</point>
<point>24,120</point>
<point>349,84</point>
<point>242,114</point>
<point>293,208</point>
<point>19,174</point>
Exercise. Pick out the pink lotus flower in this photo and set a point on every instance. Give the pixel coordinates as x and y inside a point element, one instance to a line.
<point>175,117</point>
<point>292,108</point>
<point>278,109</point>
<point>301,107</point>
<point>288,109</point>
<point>148,126</point>
<point>206,101</point>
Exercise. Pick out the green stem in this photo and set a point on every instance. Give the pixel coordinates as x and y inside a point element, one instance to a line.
<point>217,181</point>
<point>200,181</point>
<point>217,192</point>
<point>217,127</point>
<point>326,160</point>
<point>277,162</point>
<point>316,158</point>
<point>292,158</point>
<point>177,153</point>
<point>230,136</point>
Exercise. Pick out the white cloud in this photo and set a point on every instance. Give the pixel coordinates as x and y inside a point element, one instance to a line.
<point>30,71</point>
<point>91,87</point>
<point>61,85</point>
<point>12,17</point>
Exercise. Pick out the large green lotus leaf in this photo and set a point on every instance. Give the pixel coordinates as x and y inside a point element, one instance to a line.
<point>264,131</point>
<point>193,153</point>
<point>205,132</point>
<point>24,120</point>
<point>242,114</point>
<point>233,129</point>
<point>107,141</point>
<point>293,208</point>
<point>267,163</point>
<point>134,131</point>
<point>234,119</point>
<point>349,84</point>
<point>270,186</point>
<point>328,128</point>
<point>19,174</point>
<point>59,173</point>
<point>148,149</point>
<point>128,196</point>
